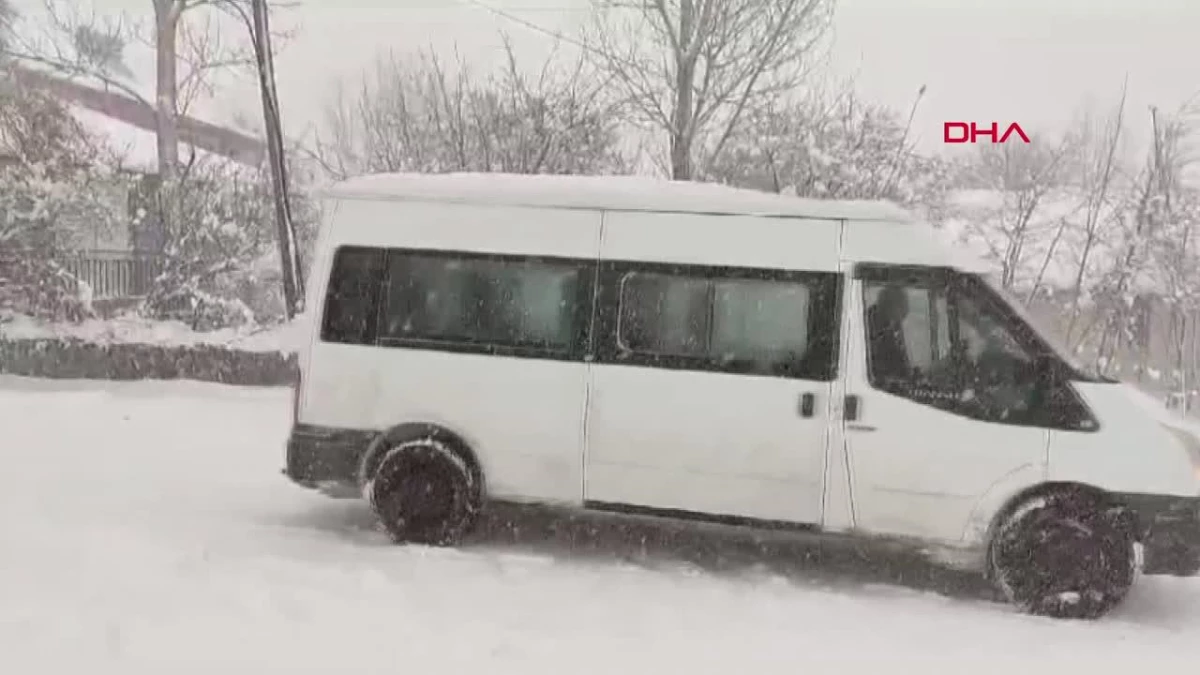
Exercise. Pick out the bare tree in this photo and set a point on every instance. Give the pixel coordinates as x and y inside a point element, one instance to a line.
<point>1098,168</point>
<point>8,16</point>
<point>80,44</point>
<point>1150,220</point>
<point>167,15</point>
<point>1024,179</point>
<point>694,68</point>
<point>1176,257</point>
<point>413,114</point>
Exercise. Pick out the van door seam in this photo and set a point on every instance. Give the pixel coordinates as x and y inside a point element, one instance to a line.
<point>850,312</point>
<point>589,369</point>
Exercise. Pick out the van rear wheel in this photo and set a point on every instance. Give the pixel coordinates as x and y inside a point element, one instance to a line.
<point>421,493</point>
<point>1063,555</point>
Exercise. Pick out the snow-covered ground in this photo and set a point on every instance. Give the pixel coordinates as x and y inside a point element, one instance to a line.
<point>145,528</point>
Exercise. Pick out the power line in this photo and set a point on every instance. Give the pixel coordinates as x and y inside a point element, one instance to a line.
<point>528,24</point>
<point>524,10</point>
<point>555,34</point>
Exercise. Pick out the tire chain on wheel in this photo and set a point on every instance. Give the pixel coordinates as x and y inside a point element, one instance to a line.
<point>440,452</point>
<point>1083,513</point>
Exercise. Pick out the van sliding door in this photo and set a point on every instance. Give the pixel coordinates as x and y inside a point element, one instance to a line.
<point>711,388</point>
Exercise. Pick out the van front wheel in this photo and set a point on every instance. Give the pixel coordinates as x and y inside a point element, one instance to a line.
<point>421,492</point>
<point>1063,555</point>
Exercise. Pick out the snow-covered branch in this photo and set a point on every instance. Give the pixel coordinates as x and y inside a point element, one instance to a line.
<point>416,114</point>
<point>833,147</point>
<point>694,70</point>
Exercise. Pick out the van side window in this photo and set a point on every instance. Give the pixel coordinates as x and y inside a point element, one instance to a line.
<point>665,315</point>
<point>486,302</point>
<point>913,344</point>
<point>763,321</point>
<point>737,325</point>
<point>944,346</point>
<point>353,295</point>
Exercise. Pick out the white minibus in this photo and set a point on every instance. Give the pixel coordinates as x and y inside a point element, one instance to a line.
<point>700,352</point>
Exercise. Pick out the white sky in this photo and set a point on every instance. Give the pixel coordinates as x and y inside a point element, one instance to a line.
<point>1030,61</point>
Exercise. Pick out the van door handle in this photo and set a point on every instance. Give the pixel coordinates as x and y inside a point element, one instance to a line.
<point>808,404</point>
<point>851,411</point>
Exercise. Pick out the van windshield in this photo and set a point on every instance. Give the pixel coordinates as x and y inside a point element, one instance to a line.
<point>1044,332</point>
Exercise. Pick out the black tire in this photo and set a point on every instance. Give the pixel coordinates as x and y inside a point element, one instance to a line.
<point>423,493</point>
<point>1063,555</point>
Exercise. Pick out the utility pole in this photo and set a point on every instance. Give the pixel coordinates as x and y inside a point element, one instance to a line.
<point>289,256</point>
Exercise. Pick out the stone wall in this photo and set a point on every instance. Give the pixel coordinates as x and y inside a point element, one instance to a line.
<point>76,359</point>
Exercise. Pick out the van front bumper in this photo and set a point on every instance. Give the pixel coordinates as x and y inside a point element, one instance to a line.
<point>1169,530</point>
<point>327,459</point>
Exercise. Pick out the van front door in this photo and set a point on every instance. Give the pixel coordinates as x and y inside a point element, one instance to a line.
<point>942,408</point>
<point>712,387</point>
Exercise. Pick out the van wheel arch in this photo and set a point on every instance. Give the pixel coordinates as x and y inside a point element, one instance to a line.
<point>414,431</point>
<point>1098,496</point>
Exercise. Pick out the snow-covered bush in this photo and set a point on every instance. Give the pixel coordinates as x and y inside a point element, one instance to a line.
<point>40,287</point>
<point>56,184</point>
<point>216,236</point>
<point>833,148</point>
<point>211,222</point>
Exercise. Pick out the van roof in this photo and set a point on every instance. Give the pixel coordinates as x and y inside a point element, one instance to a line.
<point>607,193</point>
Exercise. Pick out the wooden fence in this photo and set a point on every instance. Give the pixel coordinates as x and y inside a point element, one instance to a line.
<point>114,275</point>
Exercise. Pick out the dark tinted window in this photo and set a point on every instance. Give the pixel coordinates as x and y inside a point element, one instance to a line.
<point>914,343</point>
<point>476,301</point>
<point>352,296</point>
<point>751,326</point>
<point>951,346</point>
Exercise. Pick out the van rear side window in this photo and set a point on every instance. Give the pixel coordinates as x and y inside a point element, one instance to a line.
<point>353,295</point>
<point>534,306</point>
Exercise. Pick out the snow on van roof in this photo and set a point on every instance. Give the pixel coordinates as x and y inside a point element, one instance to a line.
<point>611,193</point>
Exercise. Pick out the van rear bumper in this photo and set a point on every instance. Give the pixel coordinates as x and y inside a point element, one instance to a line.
<point>1169,529</point>
<point>327,459</point>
